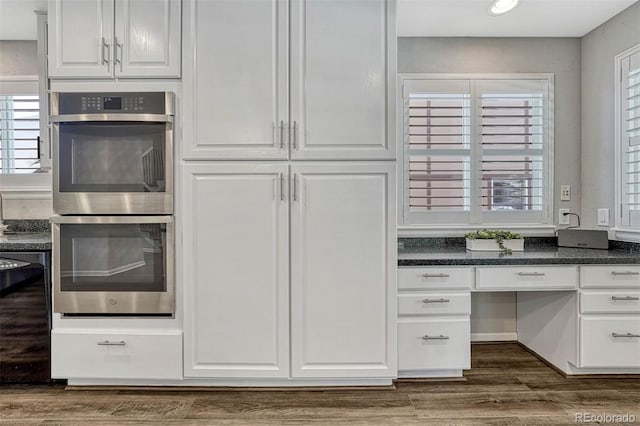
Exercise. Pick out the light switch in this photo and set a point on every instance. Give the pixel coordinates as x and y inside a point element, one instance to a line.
<point>565,192</point>
<point>603,217</point>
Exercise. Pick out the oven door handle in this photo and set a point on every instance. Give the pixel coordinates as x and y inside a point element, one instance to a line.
<point>147,118</point>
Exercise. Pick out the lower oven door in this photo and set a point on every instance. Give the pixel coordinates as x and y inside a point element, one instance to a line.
<point>113,265</point>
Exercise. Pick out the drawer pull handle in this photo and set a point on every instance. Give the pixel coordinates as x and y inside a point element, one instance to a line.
<point>436,275</point>
<point>614,334</point>
<point>531,274</point>
<point>624,298</point>
<point>440,337</point>
<point>624,273</point>
<point>108,343</point>
<point>436,300</point>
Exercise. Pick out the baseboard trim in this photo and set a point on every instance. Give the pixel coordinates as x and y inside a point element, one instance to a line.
<point>494,337</point>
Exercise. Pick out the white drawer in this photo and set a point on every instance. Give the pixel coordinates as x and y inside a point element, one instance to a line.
<point>435,278</point>
<point>621,276</point>
<point>610,302</point>
<point>607,341</point>
<point>116,355</point>
<point>434,344</point>
<point>434,304</point>
<point>527,278</point>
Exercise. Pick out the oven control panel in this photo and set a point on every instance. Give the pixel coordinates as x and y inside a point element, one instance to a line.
<point>128,103</point>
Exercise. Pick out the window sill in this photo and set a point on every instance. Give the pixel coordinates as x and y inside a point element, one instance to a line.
<point>460,230</point>
<point>626,234</point>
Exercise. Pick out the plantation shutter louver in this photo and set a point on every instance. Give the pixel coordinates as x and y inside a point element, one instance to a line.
<point>513,137</point>
<point>631,140</point>
<point>477,151</point>
<point>438,149</point>
<point>19,131</point>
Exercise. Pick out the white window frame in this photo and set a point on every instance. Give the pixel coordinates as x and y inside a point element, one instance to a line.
<point>621,230</point>
<point>545,227</point>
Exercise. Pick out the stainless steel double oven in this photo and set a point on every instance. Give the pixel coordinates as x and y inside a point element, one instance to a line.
<point>113,230</point>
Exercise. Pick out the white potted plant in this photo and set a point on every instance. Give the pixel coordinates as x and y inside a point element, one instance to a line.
<point>494,240</point>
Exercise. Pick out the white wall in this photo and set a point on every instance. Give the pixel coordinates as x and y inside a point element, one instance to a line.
<point>18,58</point>
<point>599,48</point>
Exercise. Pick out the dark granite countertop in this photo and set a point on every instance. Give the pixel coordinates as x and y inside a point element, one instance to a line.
<point>538,251</point>
<point>25,241</point>
<point>26,235</point>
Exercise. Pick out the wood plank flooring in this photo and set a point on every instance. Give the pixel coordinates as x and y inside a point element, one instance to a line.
<point>506,386</point>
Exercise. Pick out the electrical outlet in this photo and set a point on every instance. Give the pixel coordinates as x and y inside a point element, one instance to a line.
<point>565,192</point>
<point>603,217</point>
<point>562,219</point>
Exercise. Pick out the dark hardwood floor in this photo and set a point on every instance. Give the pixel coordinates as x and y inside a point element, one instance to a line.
<point>506,386</point>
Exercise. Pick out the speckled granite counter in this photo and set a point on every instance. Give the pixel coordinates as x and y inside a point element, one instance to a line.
<point>538,251</point>
<point>36,241</point>
<point>26,235</point>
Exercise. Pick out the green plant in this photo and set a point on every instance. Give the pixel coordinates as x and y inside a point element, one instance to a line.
<point>498,235</point>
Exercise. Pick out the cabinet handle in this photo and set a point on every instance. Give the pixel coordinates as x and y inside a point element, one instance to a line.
<point>281,134</point>
<point>281,187</point>
<point>624,298</point>
<point>118,60</point>
<point>295,187</point>
<point>614,334</point>
<point>104,55</point>
<point>436,275</point>
<point>531,274</point>
<point>294,137</point>
<point>436,300</point>
<point>624,273</point>
<point>109,343</point>
<point>440,337</point>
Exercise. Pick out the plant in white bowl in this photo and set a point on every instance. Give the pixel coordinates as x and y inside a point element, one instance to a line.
<point>494,240</point>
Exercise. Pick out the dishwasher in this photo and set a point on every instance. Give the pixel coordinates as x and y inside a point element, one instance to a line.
<point>25,317</point>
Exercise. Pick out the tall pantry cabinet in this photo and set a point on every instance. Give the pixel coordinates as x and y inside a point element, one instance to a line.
<point>288,190</point>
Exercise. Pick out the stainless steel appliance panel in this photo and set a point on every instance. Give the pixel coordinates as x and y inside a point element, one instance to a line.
<point>113,265</point>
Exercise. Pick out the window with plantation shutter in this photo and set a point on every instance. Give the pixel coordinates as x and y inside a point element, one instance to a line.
<point>477,151</point>
<point>19,131</point>
<point>630,140</point>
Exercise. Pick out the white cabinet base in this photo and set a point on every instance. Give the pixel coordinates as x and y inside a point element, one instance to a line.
<point>429,374</point>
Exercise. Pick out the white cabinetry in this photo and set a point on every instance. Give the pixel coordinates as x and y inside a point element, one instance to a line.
<point>609,321</point>
<point>263,84</point>
<point>434,336</point>
<point>343,267</point>
<point>236,264</point>
<point>114,38</point>
<point>342,262</point>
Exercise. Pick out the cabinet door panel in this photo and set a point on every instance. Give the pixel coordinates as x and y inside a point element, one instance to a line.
<point>343,304</point>
<point>80,38</point>
<point>148,35</point>
<point>342,71</point>
<point>235,274</point>
<point>235,79</point>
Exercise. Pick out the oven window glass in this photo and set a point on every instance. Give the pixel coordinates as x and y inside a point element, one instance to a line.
<point>112,157</point>
<point>113,257</point>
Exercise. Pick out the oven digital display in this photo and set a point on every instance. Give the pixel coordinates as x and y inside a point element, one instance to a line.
<point>111,103</point>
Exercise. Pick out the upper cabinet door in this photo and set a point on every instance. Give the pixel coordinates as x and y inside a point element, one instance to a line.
<point>235,79</point>
<point>343,79</point>
<point>147,38</point>
<point>80,38</point>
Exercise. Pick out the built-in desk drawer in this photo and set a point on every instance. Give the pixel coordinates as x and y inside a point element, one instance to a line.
<point>434,278</point>
<point>529,278</point>
<point>107,355</point>
<point>610,341</point>
<point>433,344</point>
<point>610,302</point>
<point>620,276</point>
<point>434,304</point>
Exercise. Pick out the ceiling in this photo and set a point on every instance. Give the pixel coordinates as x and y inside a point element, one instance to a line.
<point>532,18</point>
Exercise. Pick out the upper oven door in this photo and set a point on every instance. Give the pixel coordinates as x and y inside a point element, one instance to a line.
<point>113,163</point>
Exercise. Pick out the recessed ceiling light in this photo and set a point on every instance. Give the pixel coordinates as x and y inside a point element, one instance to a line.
<point>498,7</point>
